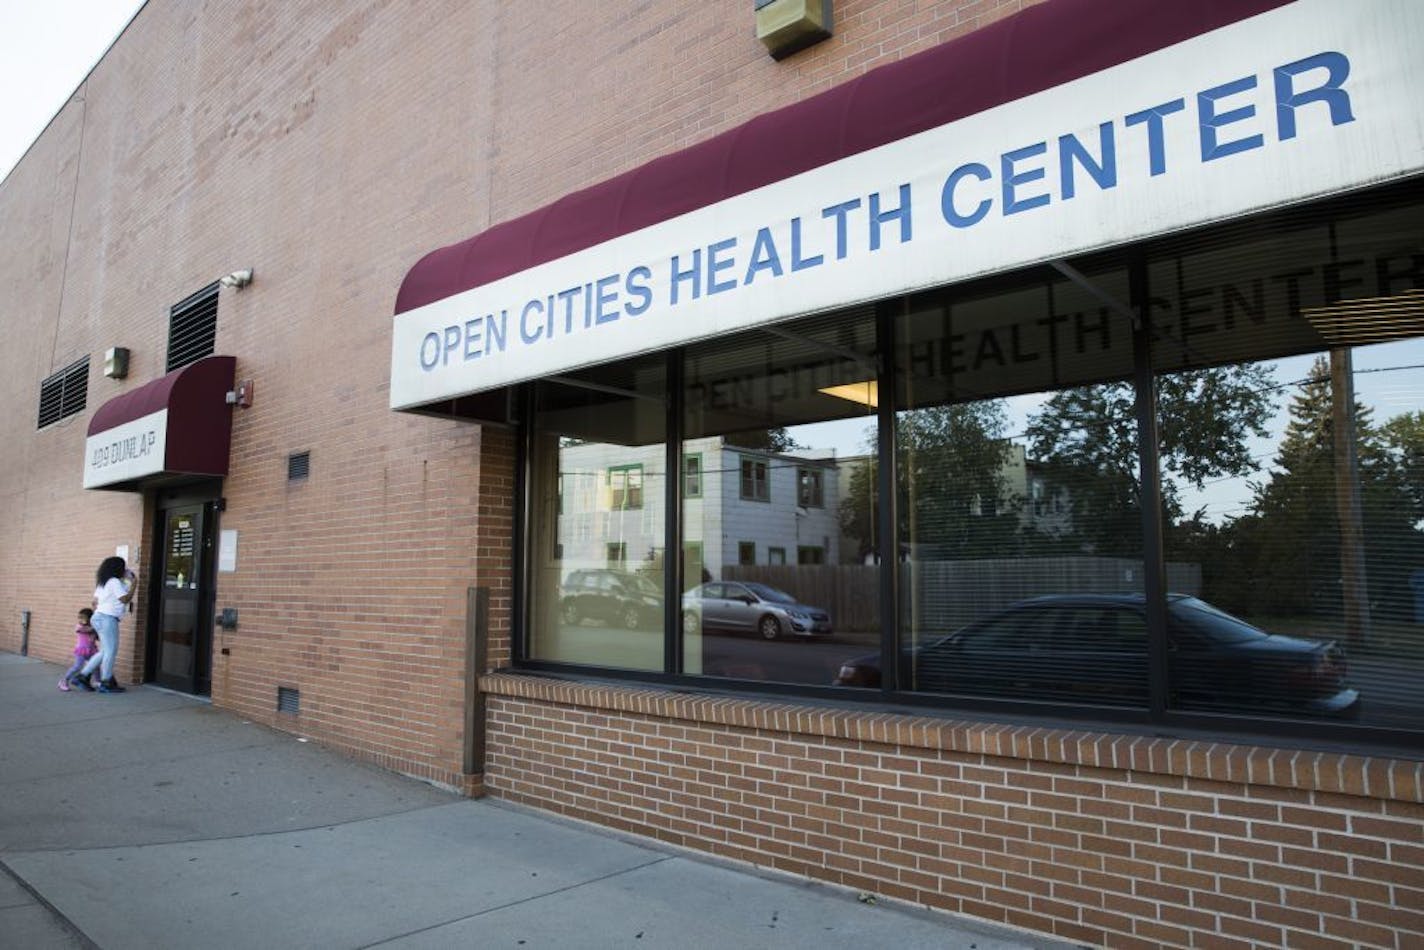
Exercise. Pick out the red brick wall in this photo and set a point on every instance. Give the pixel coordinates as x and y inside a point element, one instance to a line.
<point>1109,840</point>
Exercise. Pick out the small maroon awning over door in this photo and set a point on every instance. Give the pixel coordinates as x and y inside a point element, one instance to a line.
<point>1045,46</point>
<point>177,426</point>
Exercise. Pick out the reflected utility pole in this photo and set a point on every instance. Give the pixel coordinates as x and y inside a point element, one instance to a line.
<point>1355,588</point>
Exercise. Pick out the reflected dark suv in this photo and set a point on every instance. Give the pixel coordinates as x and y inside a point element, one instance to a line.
<point>617,598</point>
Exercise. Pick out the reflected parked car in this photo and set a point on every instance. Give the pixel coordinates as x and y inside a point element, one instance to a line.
<point>617,598</point>
<point>747,607</point>
<point>1092,647</point>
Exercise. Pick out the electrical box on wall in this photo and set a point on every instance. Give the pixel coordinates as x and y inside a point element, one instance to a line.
<point>788,26</point>
<point>116,362</point>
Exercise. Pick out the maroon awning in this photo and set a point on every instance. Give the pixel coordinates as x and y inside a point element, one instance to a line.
<point>1044,46</point>
<point>173,427</point>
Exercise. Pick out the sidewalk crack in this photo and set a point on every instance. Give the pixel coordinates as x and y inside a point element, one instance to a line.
<point>65,923</point>
<point>524,900</point>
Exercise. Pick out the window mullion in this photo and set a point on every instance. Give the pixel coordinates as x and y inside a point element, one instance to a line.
<point>1154,569</point>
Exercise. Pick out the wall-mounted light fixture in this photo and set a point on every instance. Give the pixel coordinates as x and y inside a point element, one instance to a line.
<point>116,362</point>
<point>787,26</point>
<point>238,279</point>
<point>241,396</point>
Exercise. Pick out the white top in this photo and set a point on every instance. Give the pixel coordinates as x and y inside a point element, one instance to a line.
<point>106,598</point>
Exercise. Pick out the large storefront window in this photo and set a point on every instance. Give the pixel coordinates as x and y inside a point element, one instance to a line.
<point>1292,406</point>
<point>1020,517</point>
<point>598,469</point>
<point>1157,482</point>
<point>781,572</point>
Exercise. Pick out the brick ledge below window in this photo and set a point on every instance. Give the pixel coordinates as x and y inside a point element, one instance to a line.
<point>1330,772</point>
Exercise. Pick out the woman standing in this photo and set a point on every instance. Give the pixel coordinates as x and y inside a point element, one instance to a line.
<point>112,593</point>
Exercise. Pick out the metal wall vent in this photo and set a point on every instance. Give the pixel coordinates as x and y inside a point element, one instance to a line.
<point>298,466</point>
<point>64,393</point>
<point>289,700</point>
<point>193,327</point>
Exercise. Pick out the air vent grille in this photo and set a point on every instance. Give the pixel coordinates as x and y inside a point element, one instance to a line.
<point>193,327</point>
<point>289,700</point>
<point>298,466</point>
<point>64,393</point>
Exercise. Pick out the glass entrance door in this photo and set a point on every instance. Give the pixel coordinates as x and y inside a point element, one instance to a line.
<point>183,639</point>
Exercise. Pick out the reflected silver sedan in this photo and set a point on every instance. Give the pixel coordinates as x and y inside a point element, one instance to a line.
<point>748,607</point>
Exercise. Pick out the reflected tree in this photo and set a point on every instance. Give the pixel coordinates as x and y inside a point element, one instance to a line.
<point>1285,552</point>
<point>776,440</point>
<point>1403,439</point>
<point>954,498</point>
<point>1089,436</point>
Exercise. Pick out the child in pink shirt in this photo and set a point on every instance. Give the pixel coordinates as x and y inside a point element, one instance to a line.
<point>86,644</point>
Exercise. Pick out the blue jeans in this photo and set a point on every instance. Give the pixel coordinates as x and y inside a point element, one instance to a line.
<point>108,627</point>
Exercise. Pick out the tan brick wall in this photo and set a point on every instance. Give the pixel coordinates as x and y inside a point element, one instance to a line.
<point>1107,839</point>
<point>328,146</point>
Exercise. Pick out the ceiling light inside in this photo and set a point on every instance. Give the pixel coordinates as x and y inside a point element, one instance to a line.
<point>864,393</point>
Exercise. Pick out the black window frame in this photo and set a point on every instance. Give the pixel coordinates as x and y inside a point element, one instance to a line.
<point>1156,718</point>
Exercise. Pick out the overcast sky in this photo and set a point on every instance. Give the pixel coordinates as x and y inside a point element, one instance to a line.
<point>47,47</point>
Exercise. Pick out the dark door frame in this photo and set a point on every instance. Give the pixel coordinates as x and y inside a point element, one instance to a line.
<point>206,495</point>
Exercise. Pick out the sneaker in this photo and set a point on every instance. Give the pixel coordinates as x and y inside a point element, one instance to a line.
<point>64,685</point>
<point>82,682</point>
<point>110,685</point>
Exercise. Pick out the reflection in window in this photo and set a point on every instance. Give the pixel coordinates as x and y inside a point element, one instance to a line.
<point>810,488</point>
<point>597,566</point>
<point>692,476</point>
<point>1011,397</point>
<point>694,567</point>
<point>1284,355</point>
<point>1292,471</point>
<point>625,483</point>
<point>778,447</point>
<point>1089,648</point>
<point>1311,546</point>
<point>755,485</point>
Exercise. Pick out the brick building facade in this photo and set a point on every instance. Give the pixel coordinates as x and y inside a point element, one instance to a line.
<point>328,148</point>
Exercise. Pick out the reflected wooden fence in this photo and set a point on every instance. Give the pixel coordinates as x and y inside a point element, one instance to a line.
<point>948,594</point>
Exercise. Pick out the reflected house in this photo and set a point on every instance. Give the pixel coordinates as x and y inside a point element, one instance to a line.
<point>1043,501</point>
<point>1027,487</point>
<point>743,506</point>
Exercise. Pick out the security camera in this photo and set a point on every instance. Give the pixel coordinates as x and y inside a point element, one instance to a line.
<point>238,278</point>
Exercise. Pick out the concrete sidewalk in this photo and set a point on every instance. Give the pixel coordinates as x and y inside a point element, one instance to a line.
<point>151,820</point>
